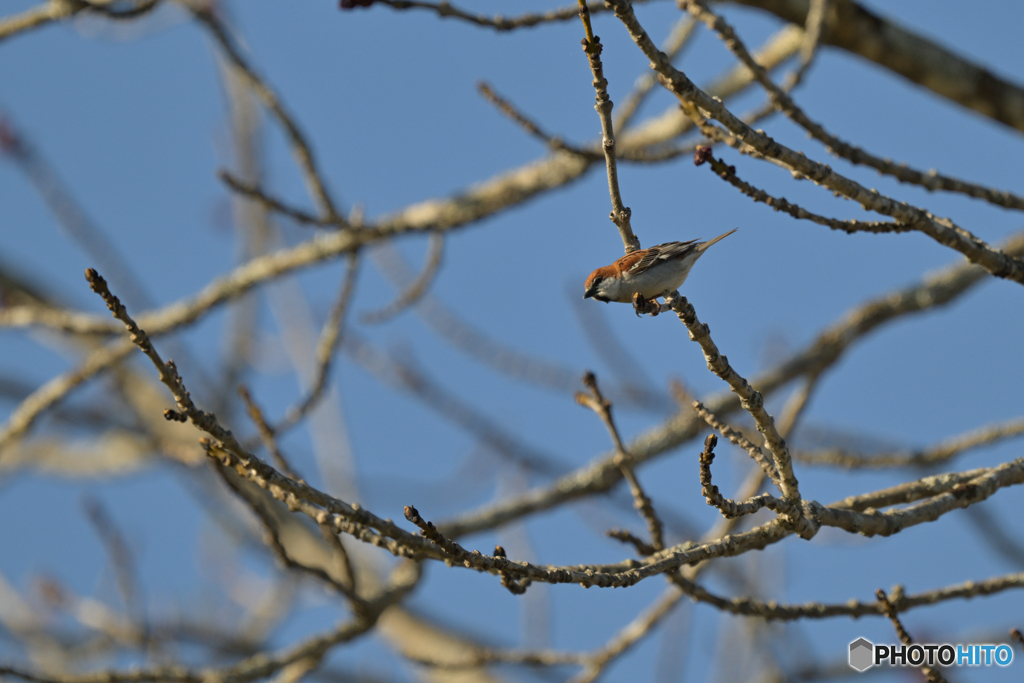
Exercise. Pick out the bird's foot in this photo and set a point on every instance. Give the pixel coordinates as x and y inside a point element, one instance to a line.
<point>642,305</point>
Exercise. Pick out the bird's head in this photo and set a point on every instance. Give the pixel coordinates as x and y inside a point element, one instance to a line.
<point>597,283</point>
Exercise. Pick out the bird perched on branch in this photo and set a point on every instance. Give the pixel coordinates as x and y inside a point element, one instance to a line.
<point>642,276</point>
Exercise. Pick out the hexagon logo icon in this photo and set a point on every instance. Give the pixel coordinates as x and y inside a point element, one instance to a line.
<point>862,654</point>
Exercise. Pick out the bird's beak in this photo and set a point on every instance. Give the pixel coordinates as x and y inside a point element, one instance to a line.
<point>590,292</point>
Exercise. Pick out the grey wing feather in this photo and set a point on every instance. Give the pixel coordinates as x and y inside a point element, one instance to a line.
<point>662,252</point>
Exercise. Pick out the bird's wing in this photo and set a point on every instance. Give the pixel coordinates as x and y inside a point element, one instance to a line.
<point>661,252</point>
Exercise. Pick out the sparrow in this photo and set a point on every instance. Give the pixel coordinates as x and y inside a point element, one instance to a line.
<point>646,274</point>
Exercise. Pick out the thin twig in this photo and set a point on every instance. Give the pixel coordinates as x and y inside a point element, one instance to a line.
<point>446,10</point>
<point>911,491</point>
<point>596,402</point>
<point>942,452</point>
<point>678,38</point>
<point>634,384</point>
<point>123,562</point>
<point>416,289</point>
<point>816,15</point>
<point>728,173</point>
<point>796,404</point>
<point>625,639</point>
<point>552,142</point>
<point>737,439</point>
<point>643,548</point>
<point>301,149</point>
<point>72,322</point>
<point>750,399</point>
<point>517,586</point>
<point>142,7</point>
<point>996,534</point>
<point>728,507</point>
<point>267,433</point>
<point>931,673</point>
<point>813,24</point>
<point>342,557</point>
<point>331,336</point>
<point>273,539</point>
<point>620,213</point>
<point>772,611</point>
<point>271,203</point>
<point>50,393</point>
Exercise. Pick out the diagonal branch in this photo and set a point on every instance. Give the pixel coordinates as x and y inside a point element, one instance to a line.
<point>301,149</point>
<point>596,402</point>
<point>942,230</point>
<point>853,27</point>
<point>931,180</point>
<point>750,399</point>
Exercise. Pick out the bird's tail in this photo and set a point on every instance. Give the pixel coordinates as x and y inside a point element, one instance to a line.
<point>704,245</point>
